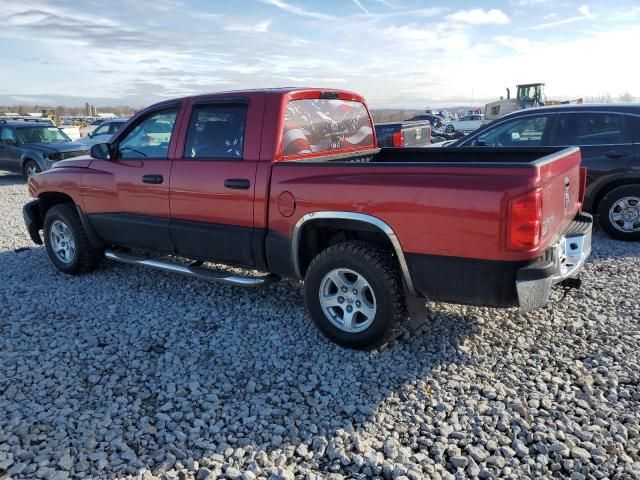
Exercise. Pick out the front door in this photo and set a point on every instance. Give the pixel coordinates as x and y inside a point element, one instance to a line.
<point>127,199</point>
<point>213,182</point>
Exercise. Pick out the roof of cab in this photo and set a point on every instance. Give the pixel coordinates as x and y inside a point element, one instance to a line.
<point>274,90</point>
<point>592,107</point>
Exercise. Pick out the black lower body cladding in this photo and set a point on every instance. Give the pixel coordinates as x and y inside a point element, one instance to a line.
<point>465,280</point>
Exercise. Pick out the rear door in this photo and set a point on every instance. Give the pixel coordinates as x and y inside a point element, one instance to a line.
<point>213,180</point>
<point>127,201</point>
<point>9,152</point>
<point>603,139</point>
<point>634,129</point>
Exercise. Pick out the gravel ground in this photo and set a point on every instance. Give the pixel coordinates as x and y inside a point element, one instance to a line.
<point>132,373</point>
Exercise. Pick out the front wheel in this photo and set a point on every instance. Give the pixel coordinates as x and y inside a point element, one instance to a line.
<point>619,212</point>
<point>354,295</point>
<point>66,241</point>
<point>31,168</point>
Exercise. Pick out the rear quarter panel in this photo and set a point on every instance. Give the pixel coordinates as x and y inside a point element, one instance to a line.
<point>452,211</point>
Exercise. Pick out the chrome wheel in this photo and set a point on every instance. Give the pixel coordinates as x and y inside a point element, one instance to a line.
<point>31,169</point>
<point>625,214</point>
<point>62,243</point>
<point>347,300</point>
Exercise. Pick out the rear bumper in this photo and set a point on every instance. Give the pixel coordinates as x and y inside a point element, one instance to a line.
<point>33,220</point>
<point>564,260</point>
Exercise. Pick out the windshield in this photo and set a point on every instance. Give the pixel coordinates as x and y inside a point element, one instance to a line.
<point>41,135</point>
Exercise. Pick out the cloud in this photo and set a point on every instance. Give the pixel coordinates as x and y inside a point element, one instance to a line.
<point>361,6</point>
<point>585,14</point>
<point>296,10</point>
<point>478,16</point>
<point>260,27</point>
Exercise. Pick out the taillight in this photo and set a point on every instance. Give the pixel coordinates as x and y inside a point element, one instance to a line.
<point>397,139</point>
<point>525,221</point>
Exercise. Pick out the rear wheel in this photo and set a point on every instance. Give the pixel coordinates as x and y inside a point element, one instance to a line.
<point>66,241</point>
<point>31,168</point>
<point>619,212</point>
<point>354,295</point>
<point>449,129</point>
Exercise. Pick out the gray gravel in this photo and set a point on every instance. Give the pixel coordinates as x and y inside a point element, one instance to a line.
<point>131,373</point>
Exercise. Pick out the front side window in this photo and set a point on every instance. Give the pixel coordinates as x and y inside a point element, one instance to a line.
<point>322,125</point>
<point>520,132</point>
<point>101,130</point>
<point>150,137</point>
<point>589,129</point>
<point>114,127</point>
<point>216,131</point>
<point>41,135</point>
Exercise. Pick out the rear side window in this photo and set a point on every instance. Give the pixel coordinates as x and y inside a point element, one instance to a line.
<point>322,125</point>
<point>634,127</point>
<point>216,131</point>
<point>589,129</point>
<point>7,135</point>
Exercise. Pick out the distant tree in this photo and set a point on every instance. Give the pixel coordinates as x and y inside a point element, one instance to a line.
<point>604,97</point>
<point>626,97</point>
<point>393,115</point>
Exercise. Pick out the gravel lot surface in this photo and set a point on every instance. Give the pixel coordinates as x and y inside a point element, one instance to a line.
<point>132,373</point>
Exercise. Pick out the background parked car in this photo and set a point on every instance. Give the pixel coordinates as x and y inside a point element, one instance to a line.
<point>403,134</point>
<point>30,147</point>
<point>609,138</point>
<point>435,120</point>
<point>467,123</point>
<point>102,133</point>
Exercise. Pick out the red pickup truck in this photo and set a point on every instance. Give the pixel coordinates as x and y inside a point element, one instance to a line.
<point>290,182</point>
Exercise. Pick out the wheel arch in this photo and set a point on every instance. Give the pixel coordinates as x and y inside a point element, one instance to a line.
<point>597,196</point>
<point>316,231</point>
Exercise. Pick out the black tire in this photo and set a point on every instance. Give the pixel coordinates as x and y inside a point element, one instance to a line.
<point>85,258</point>
<point>449,129</point>
<point>608,203</point>
<point>30,166</point>
<point>380,270</point>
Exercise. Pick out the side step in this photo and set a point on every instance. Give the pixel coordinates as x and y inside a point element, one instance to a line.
<point>191,271</point>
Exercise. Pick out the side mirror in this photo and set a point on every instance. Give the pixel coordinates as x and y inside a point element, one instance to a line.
<point>101,151</point>
<point>90,134</point>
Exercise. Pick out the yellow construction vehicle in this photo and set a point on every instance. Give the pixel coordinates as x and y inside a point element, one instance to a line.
<point>528,95</point>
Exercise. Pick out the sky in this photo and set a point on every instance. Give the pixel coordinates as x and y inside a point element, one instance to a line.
<point>397,53</point>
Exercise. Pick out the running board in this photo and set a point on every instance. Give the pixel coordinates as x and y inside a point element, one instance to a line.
<point>190,271</point>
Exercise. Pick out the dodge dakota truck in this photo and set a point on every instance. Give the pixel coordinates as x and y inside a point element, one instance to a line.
<point>290,182</point>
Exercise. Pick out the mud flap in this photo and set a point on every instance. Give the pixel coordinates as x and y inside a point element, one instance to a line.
<point>419,313</point>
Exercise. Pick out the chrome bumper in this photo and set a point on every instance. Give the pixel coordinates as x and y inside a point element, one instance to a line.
<point>563,261</point>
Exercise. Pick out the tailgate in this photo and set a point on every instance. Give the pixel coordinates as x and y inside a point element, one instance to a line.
<point>559,176</point>
<point>417,135</point>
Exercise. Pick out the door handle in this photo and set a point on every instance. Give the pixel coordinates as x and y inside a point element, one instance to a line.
<point>237,183</point>
<point>617,154</point>
<point>155,179</point>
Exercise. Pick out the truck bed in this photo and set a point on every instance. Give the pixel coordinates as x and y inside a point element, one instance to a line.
<point>468,157</point>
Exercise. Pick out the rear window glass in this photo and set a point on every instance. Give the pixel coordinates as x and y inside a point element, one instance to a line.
<point>321,125</point>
